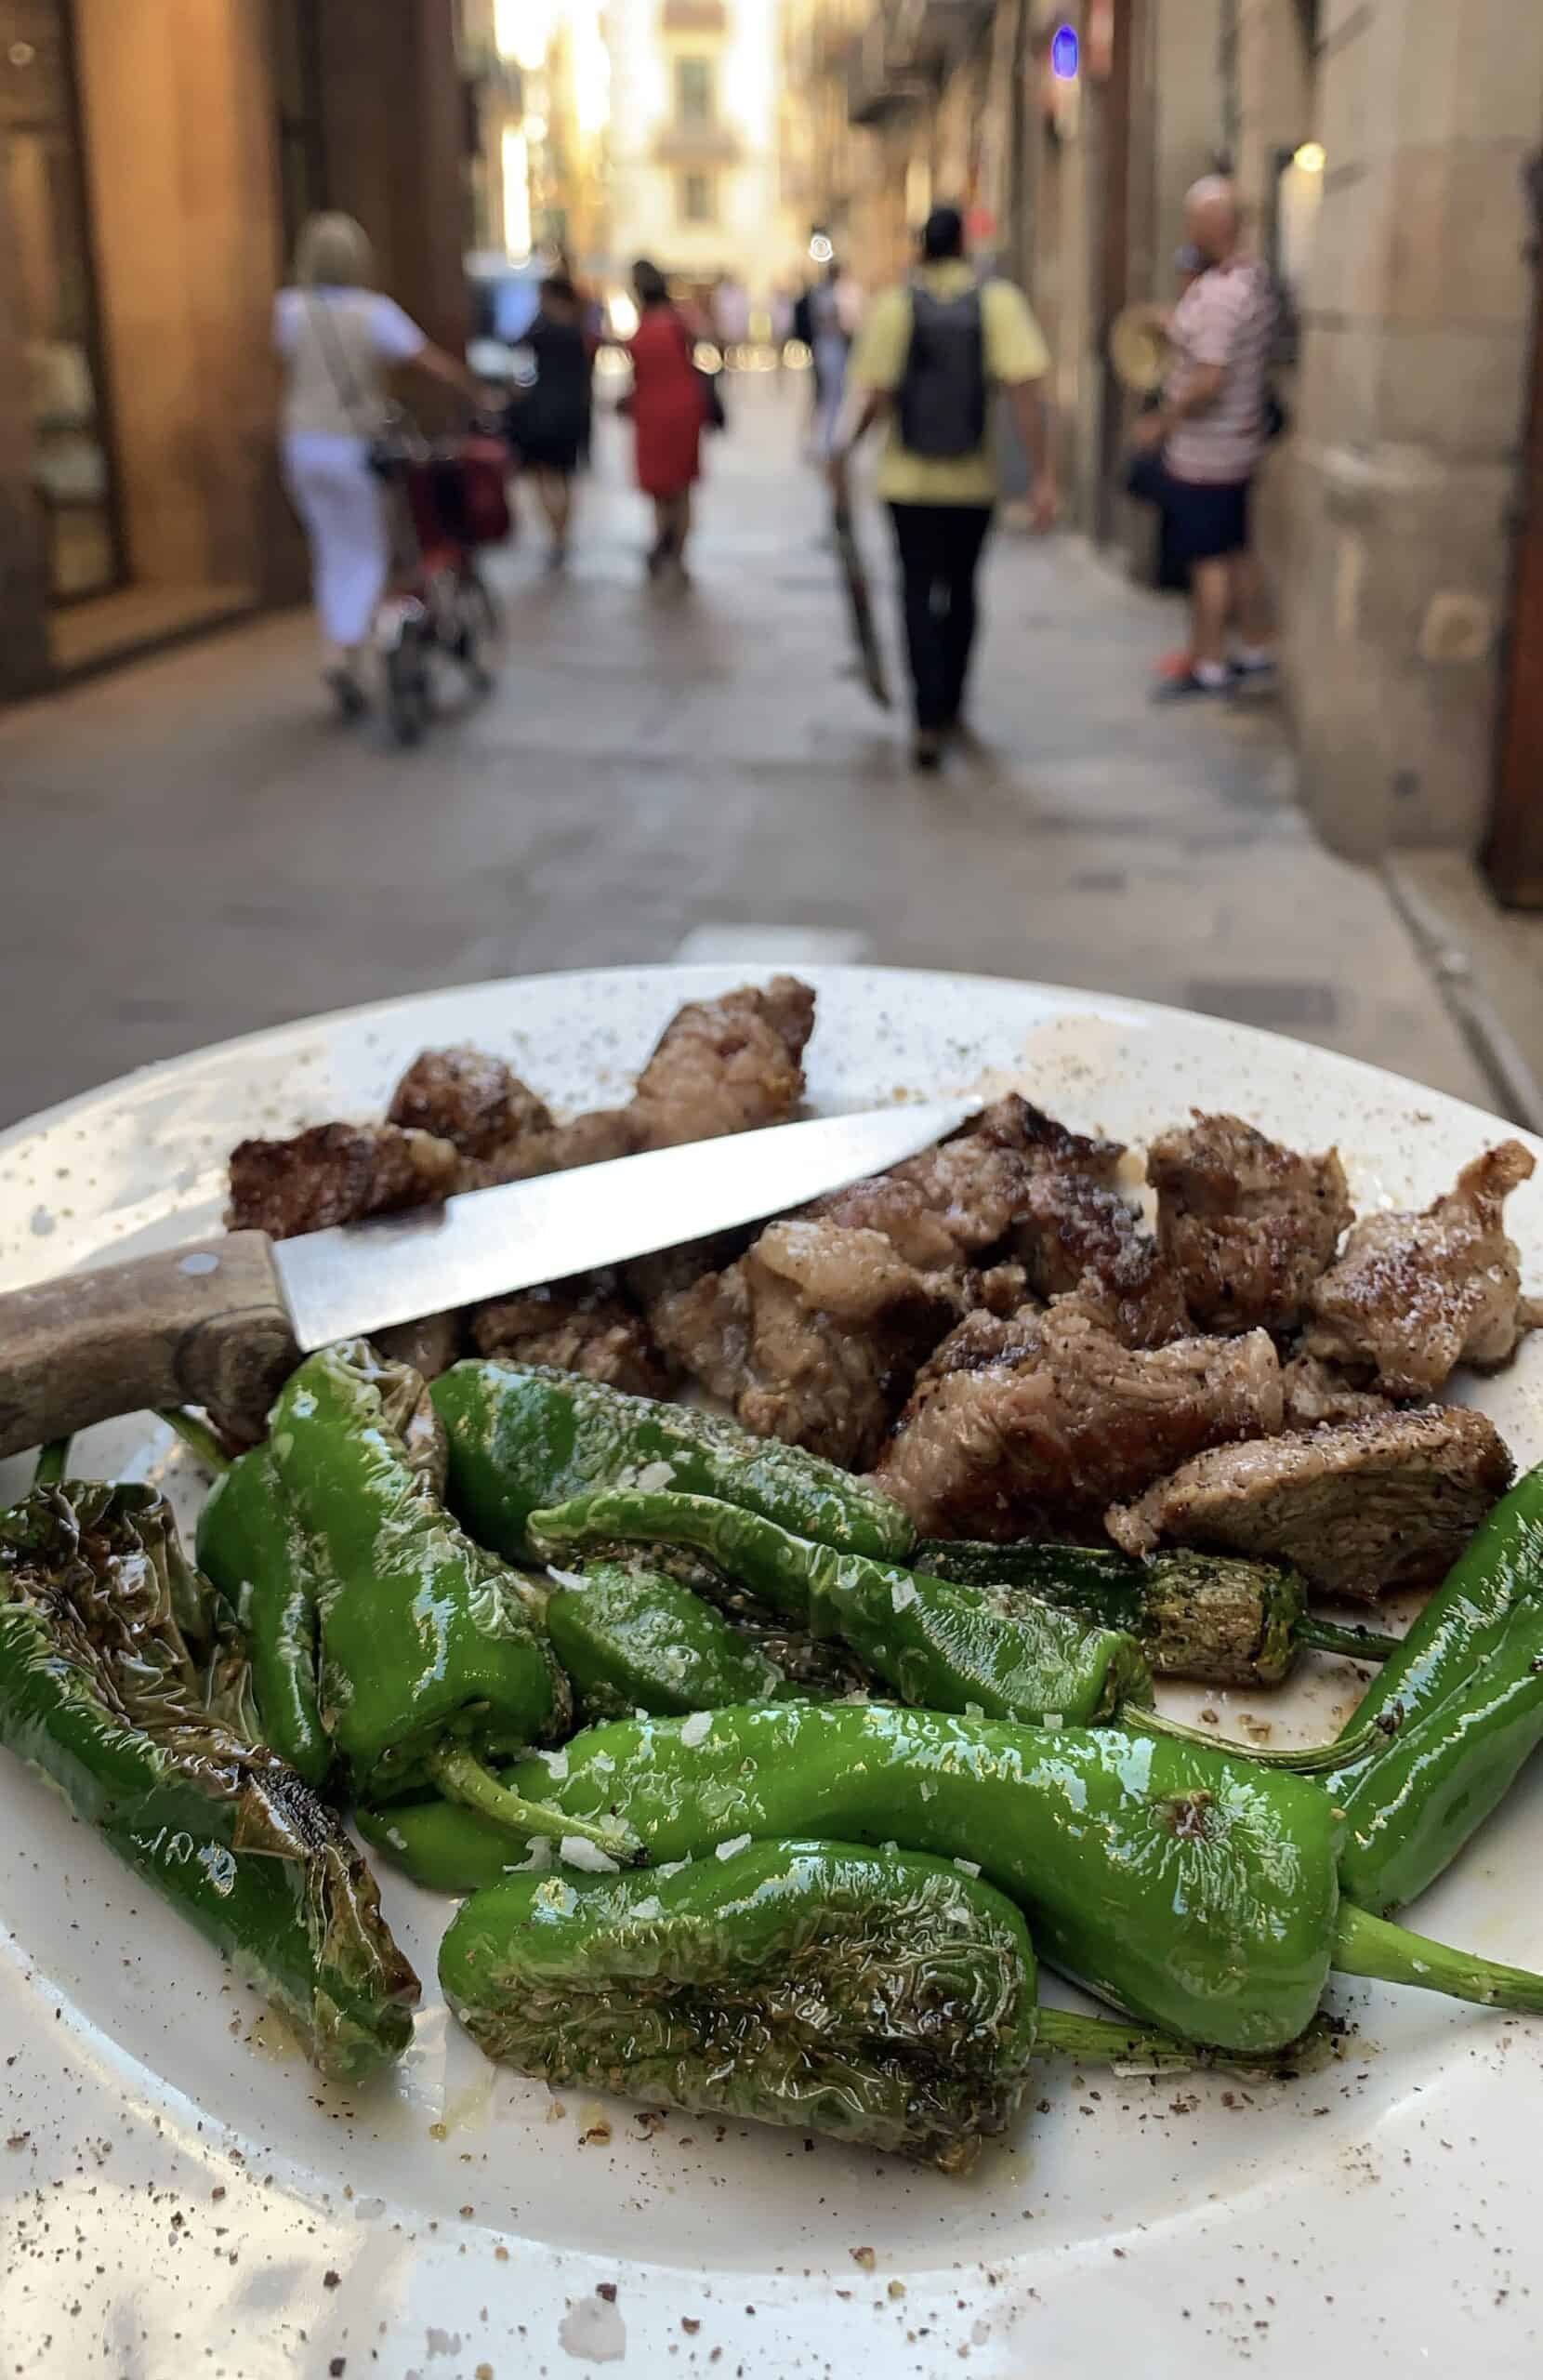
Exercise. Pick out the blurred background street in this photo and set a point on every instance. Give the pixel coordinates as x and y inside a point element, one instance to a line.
<point>1236,330</point>
<point>693,773</point>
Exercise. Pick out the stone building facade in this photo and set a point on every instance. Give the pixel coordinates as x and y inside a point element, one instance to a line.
<point>155,162</point>
<point>695,177</point>
<point>1387,151</point>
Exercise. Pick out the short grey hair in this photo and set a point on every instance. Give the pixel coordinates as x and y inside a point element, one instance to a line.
<point>333,252</point>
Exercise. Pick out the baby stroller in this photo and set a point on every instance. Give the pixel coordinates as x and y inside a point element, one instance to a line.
<point>447,498</point>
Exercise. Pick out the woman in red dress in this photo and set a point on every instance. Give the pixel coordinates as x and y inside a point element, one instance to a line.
<point>667,411</point>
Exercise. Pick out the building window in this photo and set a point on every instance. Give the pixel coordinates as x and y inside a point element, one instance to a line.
<point>697,199</point>
<point>695,97</point>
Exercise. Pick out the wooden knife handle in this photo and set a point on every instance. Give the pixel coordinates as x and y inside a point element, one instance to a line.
<point>203,1324</point>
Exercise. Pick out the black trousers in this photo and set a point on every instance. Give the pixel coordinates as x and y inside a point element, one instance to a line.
<point>939,551</point>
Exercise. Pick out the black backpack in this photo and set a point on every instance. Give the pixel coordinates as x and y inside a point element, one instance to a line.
<point>943,396</point>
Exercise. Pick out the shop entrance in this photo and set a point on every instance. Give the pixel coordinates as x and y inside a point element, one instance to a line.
<point>73,477</point>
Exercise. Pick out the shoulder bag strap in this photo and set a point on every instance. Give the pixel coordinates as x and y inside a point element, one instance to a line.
<point>335,356</point>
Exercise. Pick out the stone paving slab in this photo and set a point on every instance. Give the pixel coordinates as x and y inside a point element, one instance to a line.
<point>196,851</point>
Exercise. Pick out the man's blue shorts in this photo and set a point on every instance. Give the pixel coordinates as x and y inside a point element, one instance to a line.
<point>1208,518</point>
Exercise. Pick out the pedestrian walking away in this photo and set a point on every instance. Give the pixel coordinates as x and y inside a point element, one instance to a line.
<point>927,361</point>
<point>1211,431</point>
<point>549,421</point>
<point>337,336</point>
<point>668,410</point>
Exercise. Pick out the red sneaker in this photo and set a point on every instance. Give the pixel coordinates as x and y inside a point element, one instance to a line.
<point>1175,665</point>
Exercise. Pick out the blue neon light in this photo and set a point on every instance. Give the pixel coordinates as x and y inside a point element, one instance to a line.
<point>1064,54</point>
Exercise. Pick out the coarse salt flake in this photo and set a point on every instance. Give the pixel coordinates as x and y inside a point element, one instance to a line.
<point>968,1867</point>
<point>697,1728</point>
<point>566,1578</point>
<point>655,1475</point>
<point>557,1763</point>
<point>580,1853</point>
<point>903,1595</point>
<point>736,1844</point>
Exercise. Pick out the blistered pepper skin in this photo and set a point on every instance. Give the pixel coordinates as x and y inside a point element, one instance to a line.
<point>1194,1891</point>
<point>941,1646</point>
<point>423,1642</point>
<point>1206,1616</point>
<point>118,1683</point>
<point>521,1437</point>
<point>880,1997</point>
<point>253,1550</point>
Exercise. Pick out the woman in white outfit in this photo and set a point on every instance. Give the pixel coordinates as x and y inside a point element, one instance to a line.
<point>338,338</point>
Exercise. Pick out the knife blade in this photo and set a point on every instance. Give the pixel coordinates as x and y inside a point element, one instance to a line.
<point>222,1322</point>
<point>359,1278</point>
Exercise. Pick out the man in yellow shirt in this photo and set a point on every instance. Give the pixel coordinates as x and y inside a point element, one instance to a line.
<point>926,361</point>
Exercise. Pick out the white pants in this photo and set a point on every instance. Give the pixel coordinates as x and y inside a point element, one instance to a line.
<point>342,505</point>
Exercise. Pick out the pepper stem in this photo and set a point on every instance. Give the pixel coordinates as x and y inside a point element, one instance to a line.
<point>462,1777</point>
<point>1370,1946</point>
<point>1356,1644</point>
<point>50,1464</point>
<point>1298,1759</point>
<point>198,1436</point>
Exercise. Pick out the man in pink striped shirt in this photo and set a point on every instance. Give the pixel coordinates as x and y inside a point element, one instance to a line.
<point>1211,428</point>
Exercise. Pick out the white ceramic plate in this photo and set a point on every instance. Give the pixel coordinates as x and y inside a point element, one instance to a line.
<point>181,2195</point>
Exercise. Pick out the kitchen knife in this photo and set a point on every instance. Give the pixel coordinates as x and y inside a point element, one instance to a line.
<point>222,1322</point>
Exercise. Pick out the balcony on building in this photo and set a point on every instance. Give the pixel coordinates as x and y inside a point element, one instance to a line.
<point>693,17</point>
<point>884,77</point>
<point>697,144</point>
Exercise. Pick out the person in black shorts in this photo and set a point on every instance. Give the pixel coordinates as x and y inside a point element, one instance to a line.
<point>551,419</point>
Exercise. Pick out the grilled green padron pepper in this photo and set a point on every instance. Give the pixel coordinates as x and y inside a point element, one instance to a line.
<point>1467,1684</point>
<point>524,1437</point>
<point>117,1682</point>
<point>882,1997</point>
<point>1191,1889</point>
<point>254,1551</point>
<point>1498,1570</point>
<point>632,1639</point>
<point>429,1663</point>
<point>938,1645</point>
<point>1209,1616</point>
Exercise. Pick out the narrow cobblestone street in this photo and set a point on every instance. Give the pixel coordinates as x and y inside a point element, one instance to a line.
<point>688,773</point>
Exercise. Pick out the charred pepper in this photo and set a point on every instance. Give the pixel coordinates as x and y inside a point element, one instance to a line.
<point>524,1438</point>
<point>941,1646</point>
<point>936,1644</point>
<point>1216,1617</point>
<point>1190,1888</point>
<point>879,1996</point>
<point>118,1681</point>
